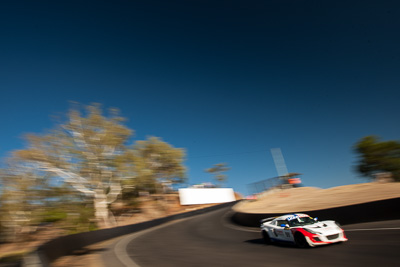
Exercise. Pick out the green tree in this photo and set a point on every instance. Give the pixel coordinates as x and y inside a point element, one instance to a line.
<point>19,203</point>
<point>27,200</point>
<point>217,170</point>
<point>90,159</point>
<point>377,156</point>
<point>89,152</point>
<point>158,165</point>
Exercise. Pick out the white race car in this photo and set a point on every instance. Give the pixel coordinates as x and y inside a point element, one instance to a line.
<point>301,230</point>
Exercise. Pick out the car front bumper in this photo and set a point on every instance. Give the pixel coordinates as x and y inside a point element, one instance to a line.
<point>316,240</point>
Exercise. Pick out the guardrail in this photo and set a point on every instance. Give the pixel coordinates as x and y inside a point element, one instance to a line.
<point>387,209</point>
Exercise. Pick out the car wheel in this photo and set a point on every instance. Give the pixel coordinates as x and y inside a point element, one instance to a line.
<point>266,238</point>
<point>300,240</point>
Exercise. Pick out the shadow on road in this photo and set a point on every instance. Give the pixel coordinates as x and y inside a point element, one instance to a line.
<point>258,241</point>
<point>86,251</point>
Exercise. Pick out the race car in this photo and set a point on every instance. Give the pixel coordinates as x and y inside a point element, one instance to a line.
<point>301,230</point>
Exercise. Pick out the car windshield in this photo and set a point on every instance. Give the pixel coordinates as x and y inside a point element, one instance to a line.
<point>300,221</point>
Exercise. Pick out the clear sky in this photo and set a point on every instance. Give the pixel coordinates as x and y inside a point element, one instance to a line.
<point>225,80</point>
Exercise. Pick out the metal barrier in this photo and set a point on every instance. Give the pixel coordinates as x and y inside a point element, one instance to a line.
<point>381,210</point>
<point>264,185</point>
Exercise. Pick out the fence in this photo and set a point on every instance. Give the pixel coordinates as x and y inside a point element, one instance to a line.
<point>264,185</point>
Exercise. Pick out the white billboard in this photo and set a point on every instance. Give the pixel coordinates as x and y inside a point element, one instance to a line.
<point>193,196</point>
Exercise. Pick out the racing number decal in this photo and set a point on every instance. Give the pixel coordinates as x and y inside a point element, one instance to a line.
<point>278,232</point>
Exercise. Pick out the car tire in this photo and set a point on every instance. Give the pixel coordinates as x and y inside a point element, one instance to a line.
<point>301,241</point>
<point>266,238</point>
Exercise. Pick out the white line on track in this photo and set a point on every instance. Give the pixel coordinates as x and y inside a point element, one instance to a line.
<point>122,255</point>
<point>120,247</point>
<point>372,229</point>
<point>245,229</point>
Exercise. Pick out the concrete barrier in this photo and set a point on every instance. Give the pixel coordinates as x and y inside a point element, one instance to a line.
<point>65,245</point>
<point>366,212</point>
<point>387,209</point>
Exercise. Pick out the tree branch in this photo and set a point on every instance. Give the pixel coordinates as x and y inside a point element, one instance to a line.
<point>115,190</point>
<point>75,180</point>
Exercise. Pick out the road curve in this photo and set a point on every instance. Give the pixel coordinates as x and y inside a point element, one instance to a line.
<point>211,240</point>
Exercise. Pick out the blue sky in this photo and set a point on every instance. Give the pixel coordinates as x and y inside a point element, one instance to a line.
<point>225,80</point>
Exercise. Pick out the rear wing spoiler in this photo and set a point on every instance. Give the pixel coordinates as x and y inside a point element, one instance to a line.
<point>267,219</point>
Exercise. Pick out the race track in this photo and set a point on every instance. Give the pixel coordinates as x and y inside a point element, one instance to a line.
<point>211,240</point>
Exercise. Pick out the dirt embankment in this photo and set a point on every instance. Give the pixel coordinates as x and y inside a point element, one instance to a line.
<point>312,198</point>
<point>150,207</point>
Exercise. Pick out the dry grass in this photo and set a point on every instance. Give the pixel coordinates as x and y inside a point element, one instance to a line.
<point>312,198</point>
<point>151,207</point>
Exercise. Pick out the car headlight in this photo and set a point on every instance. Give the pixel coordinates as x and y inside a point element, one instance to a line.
<point>312,231</point>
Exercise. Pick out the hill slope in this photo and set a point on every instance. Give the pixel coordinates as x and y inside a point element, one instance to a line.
<point>312,198</point>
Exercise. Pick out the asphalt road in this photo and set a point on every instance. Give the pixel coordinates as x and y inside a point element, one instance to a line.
<point>211,240</point>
